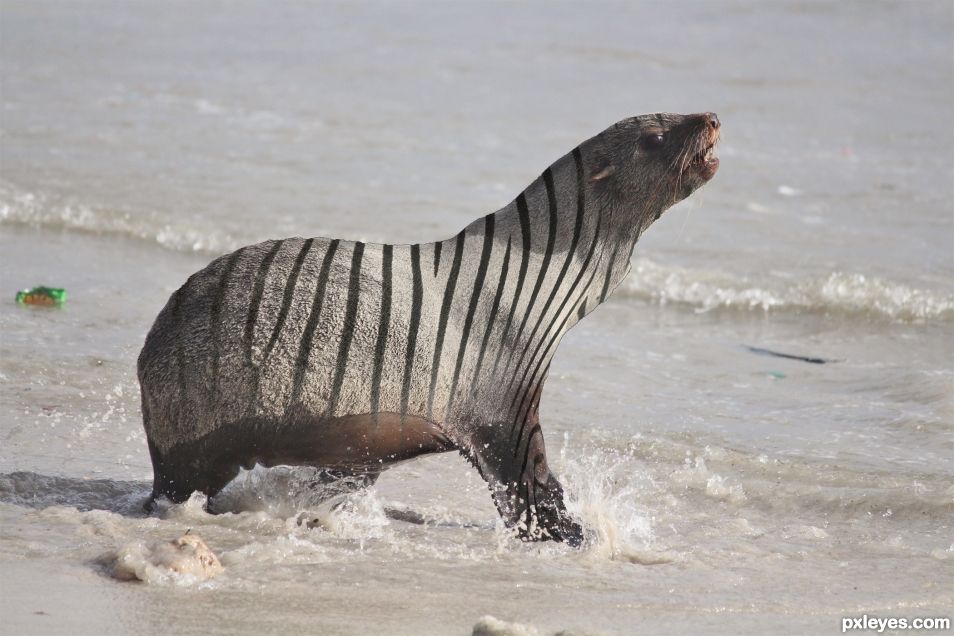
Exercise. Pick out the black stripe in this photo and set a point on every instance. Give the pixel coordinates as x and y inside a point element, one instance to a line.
<point>558,312</point>
<point>582,312</point>
<point>577,231</point>
<point>413,327</point>
<point>215,316</point>
<point>493,314</point>
<point>308,337</point>
<point>383,324</point>
<point>445,312</point>
<point>581,203</point>
<point>526,456</point>
<point>524,261</point>
<point>580,210</point>
<point>437,256</point>
<point>258,289</point>
<point>474,299</point>
<point>609,273</point>
<point>344,345</point>
<point>287,297</point>
<point>547,353</point>
<point>544,267</point>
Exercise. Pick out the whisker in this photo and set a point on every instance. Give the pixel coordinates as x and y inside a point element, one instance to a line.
<point>685,222</point>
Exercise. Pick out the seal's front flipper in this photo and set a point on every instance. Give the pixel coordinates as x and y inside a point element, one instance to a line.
<point>546,517</point>
<point>527,495</point>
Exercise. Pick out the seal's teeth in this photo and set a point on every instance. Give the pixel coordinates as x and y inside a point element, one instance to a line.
<point>704,156</point>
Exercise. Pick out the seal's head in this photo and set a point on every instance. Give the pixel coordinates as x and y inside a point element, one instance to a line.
<point>651,162</point>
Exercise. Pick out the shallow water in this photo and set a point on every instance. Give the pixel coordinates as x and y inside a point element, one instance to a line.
<point>727,492</point>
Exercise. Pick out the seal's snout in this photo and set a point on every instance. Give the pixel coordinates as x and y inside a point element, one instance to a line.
<point>706,125</point>
<point>702,143</point>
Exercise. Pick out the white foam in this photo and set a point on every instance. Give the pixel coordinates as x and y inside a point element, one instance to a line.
<point>696,475</point>
<point>489,625</point>
<point>836,292</point>
<point>286,549</point>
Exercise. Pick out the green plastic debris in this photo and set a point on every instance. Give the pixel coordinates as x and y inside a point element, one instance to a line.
<point>778,375</point>
<point>41,296</point>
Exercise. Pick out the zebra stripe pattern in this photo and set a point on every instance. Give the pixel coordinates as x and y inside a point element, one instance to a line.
<point>346,354</point>
<point>510,284</point>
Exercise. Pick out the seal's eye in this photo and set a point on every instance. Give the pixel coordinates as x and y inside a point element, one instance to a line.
<point>653,141</point>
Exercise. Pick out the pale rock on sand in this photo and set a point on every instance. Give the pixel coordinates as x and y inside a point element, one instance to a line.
<point>184,560</point>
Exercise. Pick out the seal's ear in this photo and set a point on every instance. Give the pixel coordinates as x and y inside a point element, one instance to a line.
<point>605,172</point>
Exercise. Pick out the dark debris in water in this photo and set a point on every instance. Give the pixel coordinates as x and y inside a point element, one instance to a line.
<point>788,356</point>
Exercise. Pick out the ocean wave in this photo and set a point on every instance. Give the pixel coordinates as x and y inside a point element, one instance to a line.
<point>705,290</point>
<point>48,212</point>
<point>837,292</point>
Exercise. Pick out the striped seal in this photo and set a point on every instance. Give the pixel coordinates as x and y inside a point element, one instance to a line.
<point>351,356</point>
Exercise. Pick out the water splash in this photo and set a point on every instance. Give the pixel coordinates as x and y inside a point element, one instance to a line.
<point>305,497</point>
<point>603,489</point>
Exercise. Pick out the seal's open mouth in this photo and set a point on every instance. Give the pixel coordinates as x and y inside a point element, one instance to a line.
<point>704,162</point>
<point>696,161</point>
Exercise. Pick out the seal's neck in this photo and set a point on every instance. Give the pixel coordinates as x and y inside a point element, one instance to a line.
<point>576,246</point>
<point>562,251</point>
<point>534,268</point>
<point>566,251</point>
